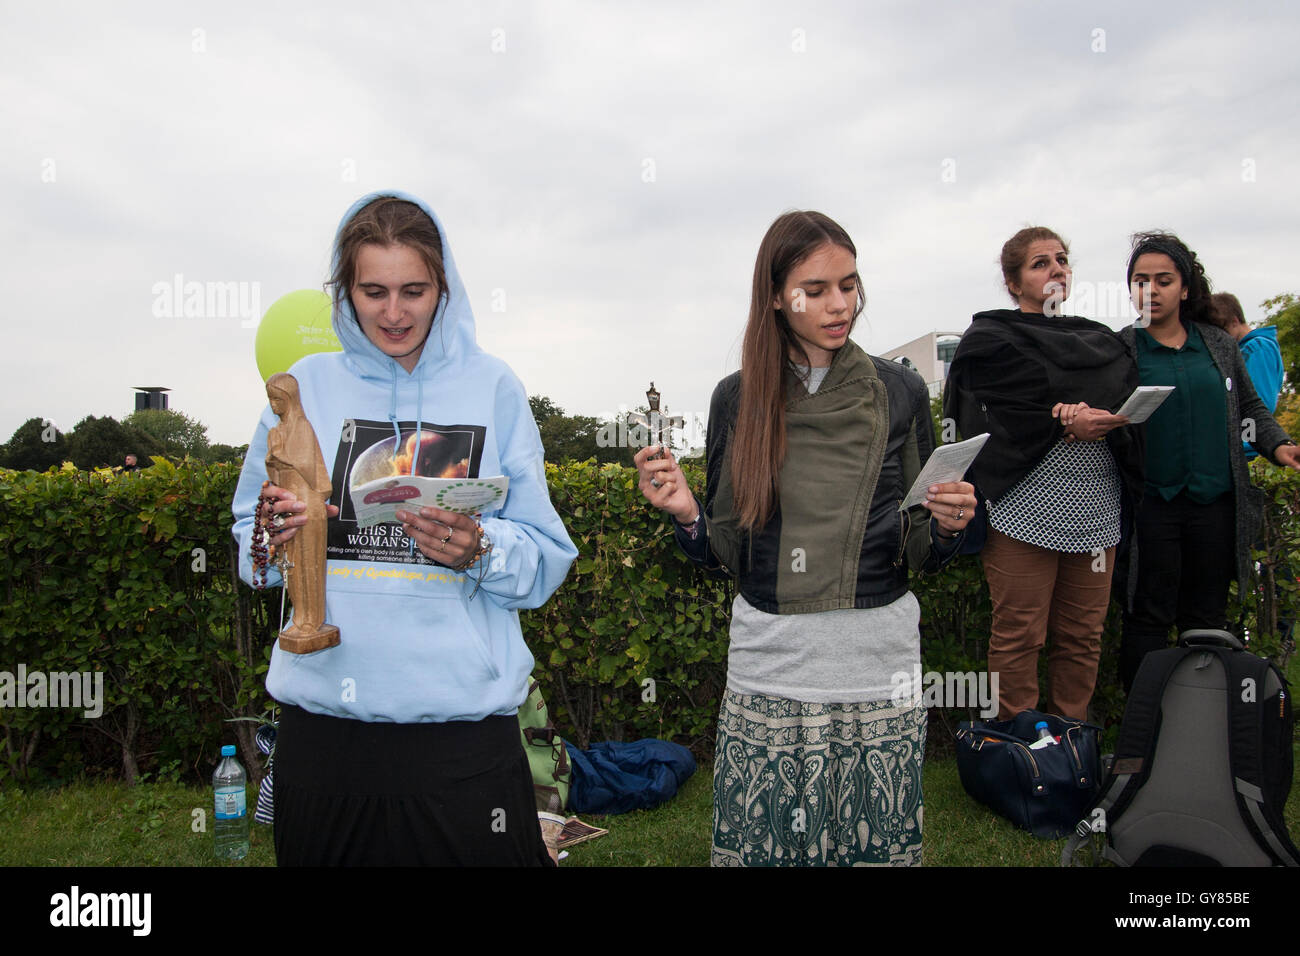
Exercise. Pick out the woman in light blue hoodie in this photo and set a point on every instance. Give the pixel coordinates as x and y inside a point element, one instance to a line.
<point>401,745</point>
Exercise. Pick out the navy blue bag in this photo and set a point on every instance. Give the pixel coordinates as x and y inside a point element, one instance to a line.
<point>615,777</point>
<point>1043,791</point>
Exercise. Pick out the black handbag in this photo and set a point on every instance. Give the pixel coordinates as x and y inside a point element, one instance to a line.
<point>1045,791</point>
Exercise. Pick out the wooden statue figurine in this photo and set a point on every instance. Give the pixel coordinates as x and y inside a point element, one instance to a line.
<point>294,463</point>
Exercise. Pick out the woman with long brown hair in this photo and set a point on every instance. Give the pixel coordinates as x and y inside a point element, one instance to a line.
<point>811,448</point>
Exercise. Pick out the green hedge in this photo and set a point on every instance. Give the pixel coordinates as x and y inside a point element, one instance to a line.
<point>130,574</point>
<point>634,643</point>
<point>134,575</point>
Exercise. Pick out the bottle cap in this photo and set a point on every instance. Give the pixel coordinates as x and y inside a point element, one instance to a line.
<point>1037,726</point>
<point>227,750</point>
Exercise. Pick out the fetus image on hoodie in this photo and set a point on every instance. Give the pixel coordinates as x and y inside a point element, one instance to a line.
<point>438,456</point>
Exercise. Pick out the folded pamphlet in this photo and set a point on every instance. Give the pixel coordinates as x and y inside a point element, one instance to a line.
<point>1143,402</point>
<point>947,463</point>
<point>378,501</point>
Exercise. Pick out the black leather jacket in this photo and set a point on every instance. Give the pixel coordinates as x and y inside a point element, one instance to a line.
<point>892,540</point>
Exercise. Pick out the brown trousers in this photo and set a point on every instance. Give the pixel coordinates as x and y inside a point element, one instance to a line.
<point>1037,594</point>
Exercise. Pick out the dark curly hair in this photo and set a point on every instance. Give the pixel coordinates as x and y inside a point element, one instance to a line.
<point>1197,305</point>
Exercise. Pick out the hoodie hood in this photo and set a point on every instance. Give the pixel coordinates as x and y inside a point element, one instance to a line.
<point>417,644</point>
<point>451,338</point>
<point>1267,332</point>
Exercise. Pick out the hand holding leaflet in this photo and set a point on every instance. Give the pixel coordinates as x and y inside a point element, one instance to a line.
<point>1143,402</point>
<point>377,502</point>
<point>947,463</point>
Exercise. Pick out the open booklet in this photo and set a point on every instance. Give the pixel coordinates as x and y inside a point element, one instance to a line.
<point>575,832</point>
<point>1143,402</point>
<point>378,501</point>
<point>947,463</point>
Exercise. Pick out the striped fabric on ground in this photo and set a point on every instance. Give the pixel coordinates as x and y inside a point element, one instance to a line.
<point>265,812</point>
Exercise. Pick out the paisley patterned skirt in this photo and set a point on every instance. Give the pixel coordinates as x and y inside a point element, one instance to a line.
<point>803,784</point>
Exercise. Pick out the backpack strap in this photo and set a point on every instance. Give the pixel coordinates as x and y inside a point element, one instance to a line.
<point>1116,784</point>
<point>1142,714</point>
<point>1247,674</point>
<point>1133,750</point>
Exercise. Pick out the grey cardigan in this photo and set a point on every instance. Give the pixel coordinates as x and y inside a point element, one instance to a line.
<point>1243,405</point>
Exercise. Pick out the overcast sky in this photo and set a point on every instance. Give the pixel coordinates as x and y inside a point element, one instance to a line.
<point>611,169</point>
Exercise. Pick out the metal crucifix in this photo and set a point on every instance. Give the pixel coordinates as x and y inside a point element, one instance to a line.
<point>656,423</point>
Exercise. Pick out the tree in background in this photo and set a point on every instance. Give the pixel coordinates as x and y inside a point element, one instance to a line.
<point>177,433</point>
<point>572,437</point>
<point>35,445</point>
<point>229,453</point>
<point>1283,311</point>
<point>99,442</point>
<point>543,408</point>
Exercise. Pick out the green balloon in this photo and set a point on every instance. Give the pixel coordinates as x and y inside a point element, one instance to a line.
<point>295,325</point>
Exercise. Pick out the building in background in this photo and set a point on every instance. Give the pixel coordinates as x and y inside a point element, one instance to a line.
<point>931,356</point>
<point>150,396</point>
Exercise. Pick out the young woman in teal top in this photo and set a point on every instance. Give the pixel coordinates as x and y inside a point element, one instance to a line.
<point>1199,512</point>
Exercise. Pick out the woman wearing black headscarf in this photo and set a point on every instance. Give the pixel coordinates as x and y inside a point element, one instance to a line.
<point>1058,479</point>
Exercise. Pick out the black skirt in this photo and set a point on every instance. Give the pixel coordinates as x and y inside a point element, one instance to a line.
<point>355,793</point>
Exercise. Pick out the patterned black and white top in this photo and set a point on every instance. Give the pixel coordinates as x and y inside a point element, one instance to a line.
<point>1069,502</point>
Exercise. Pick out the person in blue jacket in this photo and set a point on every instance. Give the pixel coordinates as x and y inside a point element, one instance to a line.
<point>1259,349</point>
<point>401,745</point>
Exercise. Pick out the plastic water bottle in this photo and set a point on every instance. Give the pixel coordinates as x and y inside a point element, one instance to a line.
<point>230,832</point>
<point>1045,738</point>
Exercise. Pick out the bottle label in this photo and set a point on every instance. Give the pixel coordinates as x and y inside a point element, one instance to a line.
<point>230,803</point>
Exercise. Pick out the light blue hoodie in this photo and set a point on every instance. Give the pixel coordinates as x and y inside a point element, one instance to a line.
<point>414,647</point>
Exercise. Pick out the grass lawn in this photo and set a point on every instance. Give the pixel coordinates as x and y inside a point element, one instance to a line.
<point>107,824</point>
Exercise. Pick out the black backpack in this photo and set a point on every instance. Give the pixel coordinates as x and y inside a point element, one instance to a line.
<point>1203,764</point>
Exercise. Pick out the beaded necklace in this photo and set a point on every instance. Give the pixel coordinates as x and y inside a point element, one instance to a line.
<point>263,552</point>
<point>261,548</point>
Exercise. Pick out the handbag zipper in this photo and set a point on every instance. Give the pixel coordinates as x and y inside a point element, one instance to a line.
<point>1078,761</point>
<point>1038,787</point>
